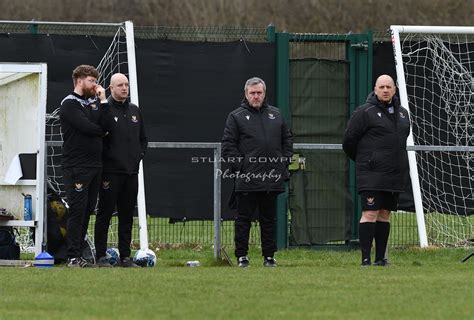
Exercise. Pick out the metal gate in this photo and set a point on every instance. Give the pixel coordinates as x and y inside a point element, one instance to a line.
<point>321,79</point>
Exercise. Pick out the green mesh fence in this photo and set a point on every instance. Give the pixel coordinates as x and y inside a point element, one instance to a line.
<point>319,201</point>
<point>212,34</point>
<point>164,233</point>
<point>86,29</point>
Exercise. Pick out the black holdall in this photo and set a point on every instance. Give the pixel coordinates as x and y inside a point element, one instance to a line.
<point>9,248</point>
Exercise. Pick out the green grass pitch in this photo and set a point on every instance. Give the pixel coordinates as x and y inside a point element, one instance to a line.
<point>307,284</point>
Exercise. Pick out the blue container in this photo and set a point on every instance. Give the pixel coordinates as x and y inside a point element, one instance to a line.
<point>27,213</point>
<point>44,260</point>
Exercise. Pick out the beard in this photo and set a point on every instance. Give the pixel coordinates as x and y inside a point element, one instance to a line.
<point>88,93</point>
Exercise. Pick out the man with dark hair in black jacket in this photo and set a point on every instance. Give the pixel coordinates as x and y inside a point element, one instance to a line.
<point>81,114</point>
<point>124,148</point>
<point>375,138</point>
<point>259,144</point>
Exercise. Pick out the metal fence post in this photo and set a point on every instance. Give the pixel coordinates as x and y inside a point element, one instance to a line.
<point>217,202</point>
<point>283,103</point>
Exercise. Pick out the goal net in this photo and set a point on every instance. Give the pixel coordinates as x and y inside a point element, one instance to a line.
<point>435,71</point>
<point>114,60</point>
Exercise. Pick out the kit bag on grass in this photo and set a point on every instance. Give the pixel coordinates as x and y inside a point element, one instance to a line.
<point>9,249</point>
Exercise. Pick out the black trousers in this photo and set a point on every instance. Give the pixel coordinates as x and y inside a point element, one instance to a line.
<point>266,202</point>
<point>82,187</point>
<point>117,191</point>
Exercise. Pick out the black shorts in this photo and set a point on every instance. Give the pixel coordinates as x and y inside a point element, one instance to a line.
<point>378,200</point>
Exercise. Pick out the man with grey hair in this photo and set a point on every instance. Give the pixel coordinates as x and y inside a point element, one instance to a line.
<point>260,145</point>
<point>375,138</point>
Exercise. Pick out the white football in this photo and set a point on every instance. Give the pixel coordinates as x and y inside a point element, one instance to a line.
<point>145,258</point>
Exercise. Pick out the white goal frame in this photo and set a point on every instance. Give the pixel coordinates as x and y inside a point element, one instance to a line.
<point>396,30</point>
<point>132,74</point>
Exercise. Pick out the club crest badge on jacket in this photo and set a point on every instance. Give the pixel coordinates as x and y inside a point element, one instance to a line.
<point>78,187</point>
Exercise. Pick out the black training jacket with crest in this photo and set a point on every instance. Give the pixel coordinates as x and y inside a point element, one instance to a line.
<point>260,143</point>
<point>126,143</point>
<point>376,141</point>
<point>81,120</point>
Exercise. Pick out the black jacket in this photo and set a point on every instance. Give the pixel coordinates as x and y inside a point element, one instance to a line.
<point>82,133</point>
<point>126,143</point>
<point>376,141</point>
<point>259,146</point>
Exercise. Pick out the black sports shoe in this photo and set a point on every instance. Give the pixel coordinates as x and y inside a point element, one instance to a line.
<point>78,263</point>
<point>365,263</point>
<point>269,262</point>
<point>103,262</point>
<point>243,262</point>
<point>382,263</point>
<point>128,263</point>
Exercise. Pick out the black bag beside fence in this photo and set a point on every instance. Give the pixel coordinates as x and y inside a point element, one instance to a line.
<point>9,248</point>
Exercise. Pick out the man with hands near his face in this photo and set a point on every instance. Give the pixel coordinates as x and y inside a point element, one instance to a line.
<point>82,123</point>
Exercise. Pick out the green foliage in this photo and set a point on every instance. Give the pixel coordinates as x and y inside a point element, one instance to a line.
<point>419,284</point>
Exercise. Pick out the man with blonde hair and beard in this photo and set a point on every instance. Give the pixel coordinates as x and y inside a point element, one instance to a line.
<point>82,121</point>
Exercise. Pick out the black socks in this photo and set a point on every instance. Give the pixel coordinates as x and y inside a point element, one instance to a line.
<point>382,231</point>
<point>366,236</point>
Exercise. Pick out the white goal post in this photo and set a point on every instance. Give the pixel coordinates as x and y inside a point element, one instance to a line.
<point>132,73</point>
<point>438,64</point>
